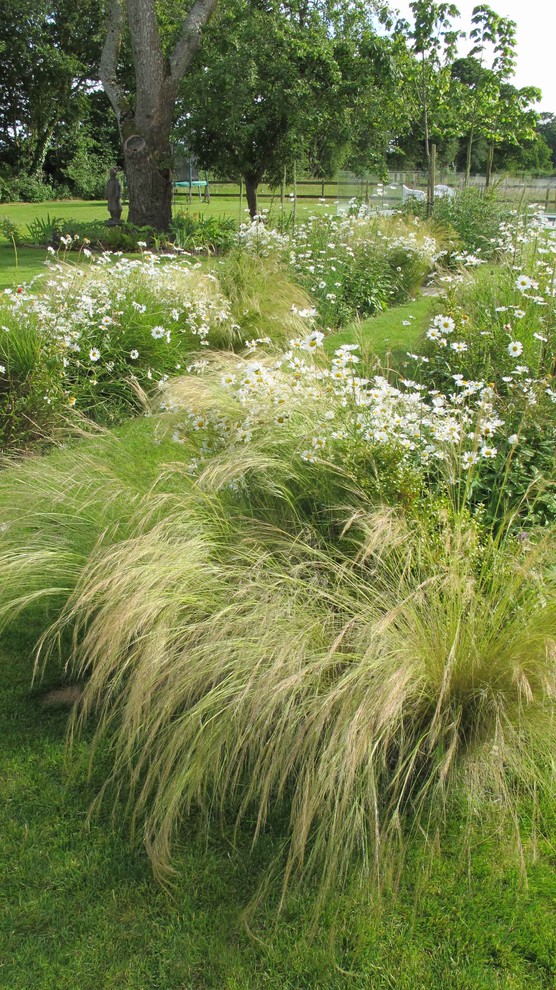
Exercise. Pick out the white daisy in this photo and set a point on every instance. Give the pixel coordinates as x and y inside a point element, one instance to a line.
<point>515,348</point>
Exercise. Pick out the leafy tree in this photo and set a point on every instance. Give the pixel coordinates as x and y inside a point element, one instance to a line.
<point>490,32</point>
<point>433,41</point>
<point>279,83</point>
<point>546,127</point>
<point>48,49</point>
<point>164,41</point>
<point>514,121</point>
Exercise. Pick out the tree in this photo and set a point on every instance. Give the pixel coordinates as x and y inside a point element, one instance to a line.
<point>48,50</point>
<point>547,130</point>
<point>279,83</point>
<point>484,88</point>
<point>161,52</point>
<point>433,42</point>
<point>514,121</point>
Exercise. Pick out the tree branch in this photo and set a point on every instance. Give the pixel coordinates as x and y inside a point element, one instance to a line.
<point>190,38</point>
<point>108,68</point>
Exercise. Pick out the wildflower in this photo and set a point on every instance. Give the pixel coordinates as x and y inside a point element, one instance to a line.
<point>444,323</point>
<point>94,354</point>
<point>515,348</point>
<point>469,458</point>
<point>513,439</point>
<point>134,354</point>
<point>2,369</point>
<point>313,341</point>
<point>308,456</point>
<point>158,332</point>
<point>523,282</point>
<point>489,452</point>
<point>459,346</point>
<point>72,400</point>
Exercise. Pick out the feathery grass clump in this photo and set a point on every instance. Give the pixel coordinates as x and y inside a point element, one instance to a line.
<point>243,671</point>
<point>265,301</point>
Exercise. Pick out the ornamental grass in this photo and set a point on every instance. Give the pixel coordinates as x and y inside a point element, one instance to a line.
<point>247,673</point>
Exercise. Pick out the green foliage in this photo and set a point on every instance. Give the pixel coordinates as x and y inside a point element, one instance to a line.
<point>475,217</point>
<point>28,188</point>
<point>275,86</point>
<point>10,230</point>
<point>213,235</point>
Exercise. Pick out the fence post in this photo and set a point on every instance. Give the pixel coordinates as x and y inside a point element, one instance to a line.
<point>240,199</point>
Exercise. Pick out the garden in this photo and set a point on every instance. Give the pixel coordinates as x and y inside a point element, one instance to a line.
<point>277,501</point>
<point>278,561</point>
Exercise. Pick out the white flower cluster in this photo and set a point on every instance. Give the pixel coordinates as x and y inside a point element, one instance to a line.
<point>332,408</point>
<point>103,315</point>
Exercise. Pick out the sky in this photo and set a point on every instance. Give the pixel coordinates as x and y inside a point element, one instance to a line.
<point>536,40</point>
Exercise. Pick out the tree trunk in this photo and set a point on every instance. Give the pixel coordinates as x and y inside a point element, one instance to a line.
<point>149,180</point>
<point>431,181</point>
<point>40,150</point>
<point>488,172</point>
<point>145,117</point>
<point>251,186</point>
<point>468,157</point>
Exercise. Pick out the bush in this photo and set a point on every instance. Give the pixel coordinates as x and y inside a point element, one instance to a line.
<point>73,235</point>
<point>29,189</point>
<point>210,235</point>
<point>476,217</point>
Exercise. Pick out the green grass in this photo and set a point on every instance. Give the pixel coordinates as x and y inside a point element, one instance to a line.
<point>30,262</point>
<point>80,910</point>
<point>385,334</point>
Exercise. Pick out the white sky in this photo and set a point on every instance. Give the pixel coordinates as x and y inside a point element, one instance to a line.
<point>536,40</point>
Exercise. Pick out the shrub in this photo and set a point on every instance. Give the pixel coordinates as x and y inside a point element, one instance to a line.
<point>476,217</point>
<point>29,189</point>
<point>210,235</point>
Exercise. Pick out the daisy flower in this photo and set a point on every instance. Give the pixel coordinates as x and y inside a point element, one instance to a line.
<point>489,452</point>
<point>469,458</point>
<point>523,282</point>
<point>94,354</point>
<point>515,348</point>
<point>134,355</point>
<point>158,332</point>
